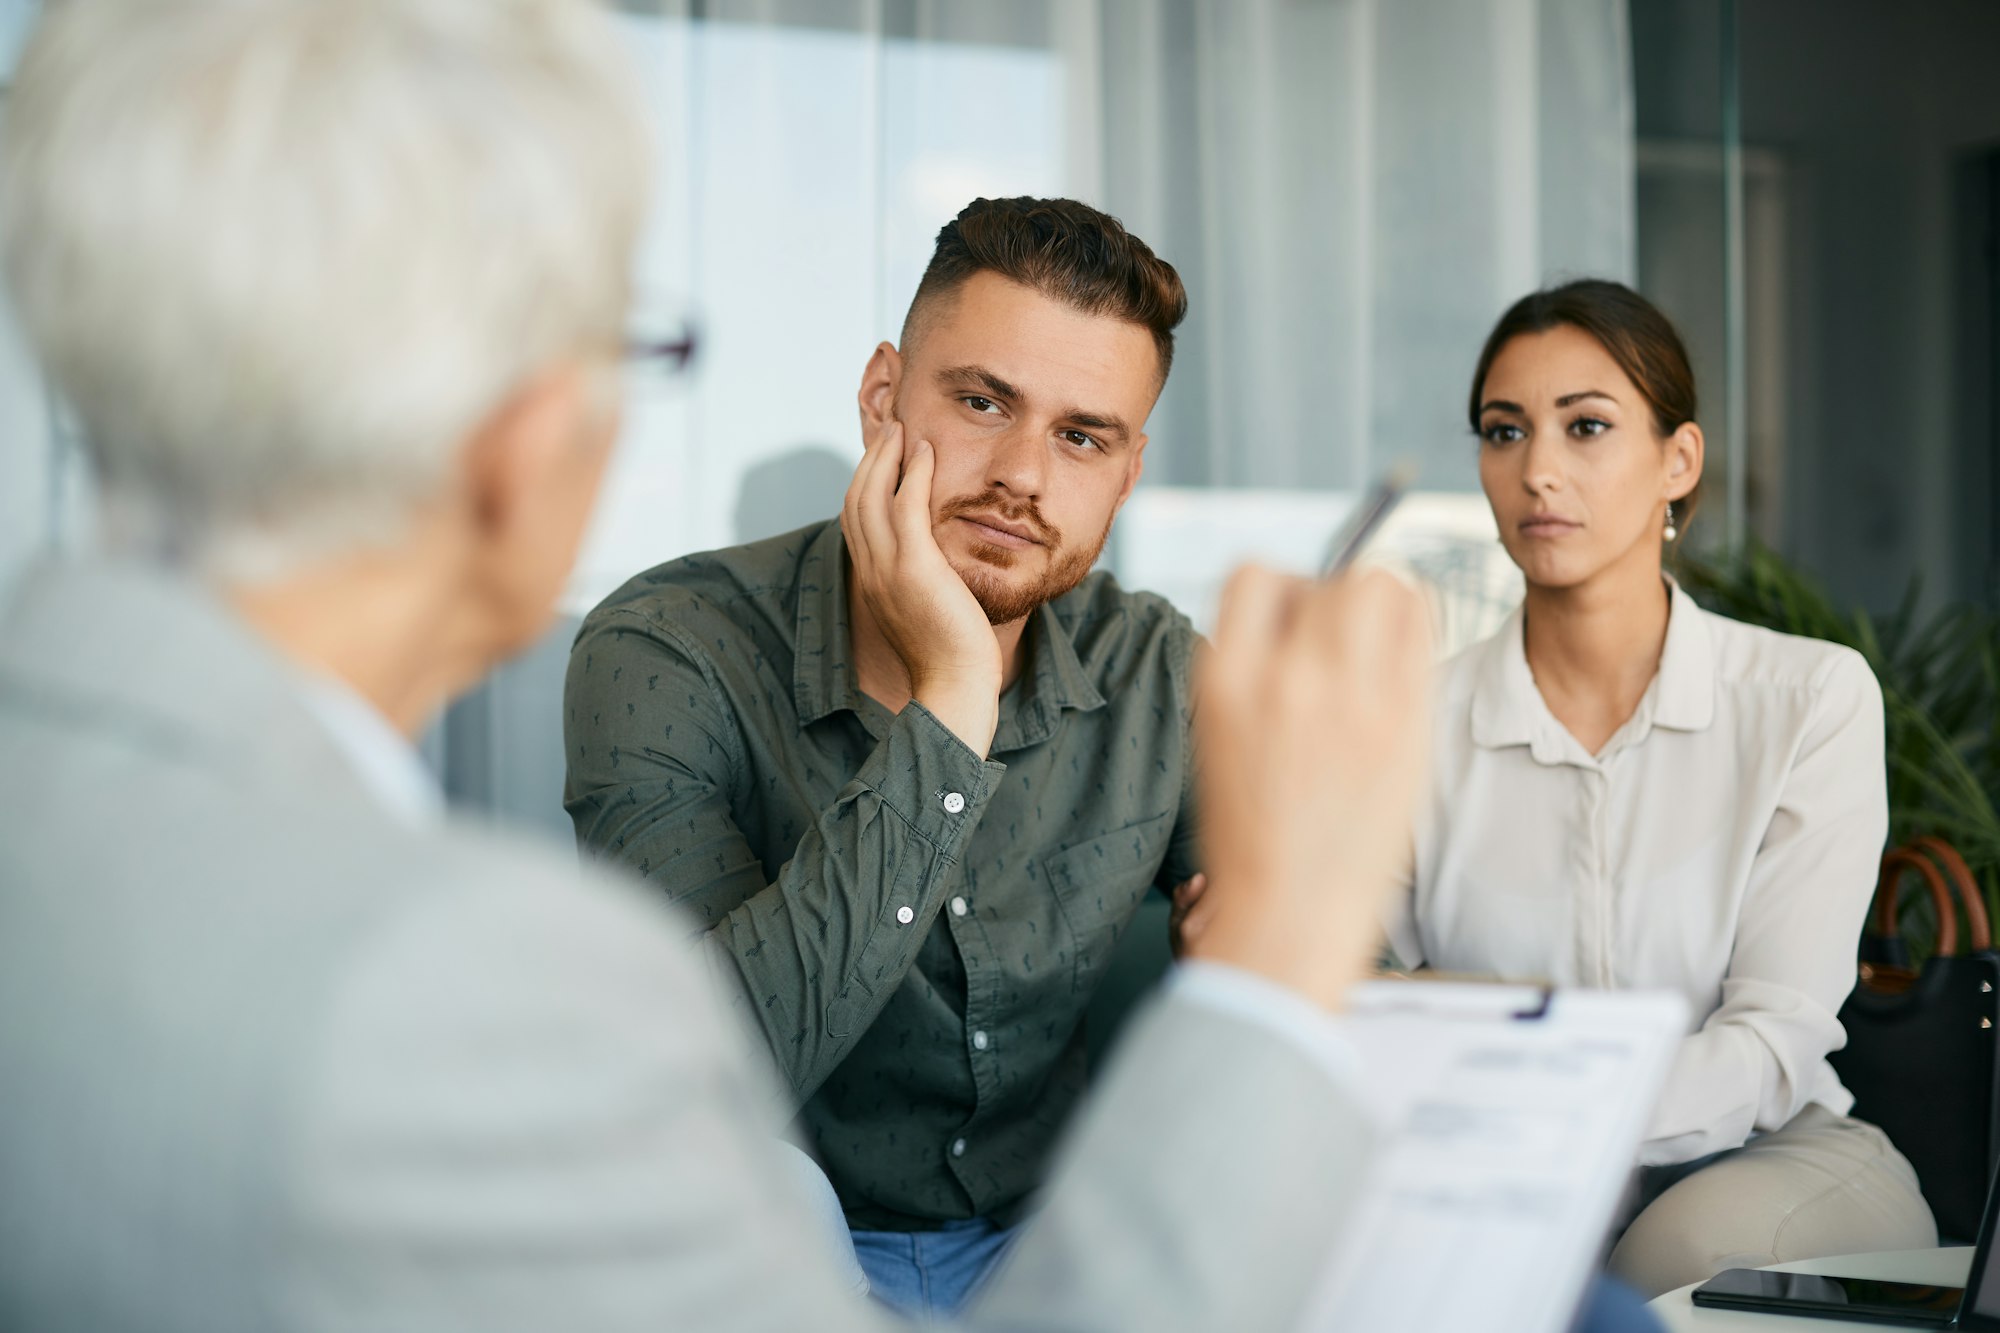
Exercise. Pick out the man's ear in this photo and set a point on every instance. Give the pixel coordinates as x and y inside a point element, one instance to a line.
<point>1686,452</point>
<point>880,379</point>
<point>1133,471</point>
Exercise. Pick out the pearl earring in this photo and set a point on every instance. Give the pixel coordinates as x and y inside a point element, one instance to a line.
<point>1672,531</point>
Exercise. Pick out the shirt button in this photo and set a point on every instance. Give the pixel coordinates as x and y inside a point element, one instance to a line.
<point>958,906</point>
<point>958,1147</point>
<point>905,915</point>
<point>953,802</point>
<point>979,1041</point>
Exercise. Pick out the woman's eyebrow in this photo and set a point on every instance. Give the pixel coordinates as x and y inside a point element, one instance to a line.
<point>1569,399</point>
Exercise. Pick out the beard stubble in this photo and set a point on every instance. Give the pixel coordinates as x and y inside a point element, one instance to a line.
<point>983,570</point>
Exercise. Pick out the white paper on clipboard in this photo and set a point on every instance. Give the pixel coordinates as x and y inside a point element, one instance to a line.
<point>1509,1143</point>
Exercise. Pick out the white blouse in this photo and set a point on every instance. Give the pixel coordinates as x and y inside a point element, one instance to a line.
<point>1723,844</point>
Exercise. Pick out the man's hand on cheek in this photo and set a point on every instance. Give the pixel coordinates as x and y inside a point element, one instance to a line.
<point>925,611</point>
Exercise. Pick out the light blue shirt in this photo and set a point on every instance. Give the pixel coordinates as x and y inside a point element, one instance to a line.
<point>382,756</point>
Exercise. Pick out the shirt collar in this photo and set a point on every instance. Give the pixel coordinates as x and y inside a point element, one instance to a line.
<point>1504,698</point>
<point>824,680</point>
<point>1686,699</point>
<point>1507,708</point>
<point>1055,680</point>
<point>382,758</point>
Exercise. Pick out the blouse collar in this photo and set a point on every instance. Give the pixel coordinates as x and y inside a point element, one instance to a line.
<point>1508,709</point>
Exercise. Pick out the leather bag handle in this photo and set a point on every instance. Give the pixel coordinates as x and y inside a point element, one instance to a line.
<point>1925,856</point>
<point>1971,901</point>
<point>1888,895</point>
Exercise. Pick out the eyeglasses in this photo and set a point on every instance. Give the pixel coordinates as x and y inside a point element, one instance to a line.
<point>670,355</point>
<point>661,337</point>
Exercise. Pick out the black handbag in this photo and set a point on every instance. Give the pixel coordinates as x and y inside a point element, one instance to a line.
<point>1922,1045</point>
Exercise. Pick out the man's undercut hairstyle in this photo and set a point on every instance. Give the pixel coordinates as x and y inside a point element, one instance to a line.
<point>281,257</point>
<point>1067,251</point>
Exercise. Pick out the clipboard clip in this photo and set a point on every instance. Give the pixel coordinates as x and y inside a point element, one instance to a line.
<point>1462,1000</point>
<point>1539,1009</point>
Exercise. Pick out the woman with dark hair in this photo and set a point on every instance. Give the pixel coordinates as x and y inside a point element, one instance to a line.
<point>1629,791</point>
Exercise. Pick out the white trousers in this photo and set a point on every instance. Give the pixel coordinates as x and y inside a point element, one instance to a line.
<point>1823,1185</point>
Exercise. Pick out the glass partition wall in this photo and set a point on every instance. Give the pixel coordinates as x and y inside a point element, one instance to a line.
<point>1352,192</point>
<point>1352,189</point>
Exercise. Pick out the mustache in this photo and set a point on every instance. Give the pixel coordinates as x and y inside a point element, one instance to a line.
<point>1026,513</point>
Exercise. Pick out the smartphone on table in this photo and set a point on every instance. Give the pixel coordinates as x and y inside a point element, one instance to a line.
<point>1908,1304</point>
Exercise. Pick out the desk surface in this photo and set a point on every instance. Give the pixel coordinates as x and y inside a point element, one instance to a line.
<point>1945,1267</point>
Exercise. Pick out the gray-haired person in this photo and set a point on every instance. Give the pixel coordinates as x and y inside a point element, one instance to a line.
<point>336,289</point>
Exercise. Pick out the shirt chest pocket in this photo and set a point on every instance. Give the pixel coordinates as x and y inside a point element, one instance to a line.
<point>1098,884</point>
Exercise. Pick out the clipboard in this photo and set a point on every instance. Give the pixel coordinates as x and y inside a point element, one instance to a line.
<point>1512,1118</point>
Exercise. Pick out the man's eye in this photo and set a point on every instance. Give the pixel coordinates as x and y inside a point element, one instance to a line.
<point>978,404</point>
<point>1501,432</point>
<point>1589,427</point>
<point>1081,440</point>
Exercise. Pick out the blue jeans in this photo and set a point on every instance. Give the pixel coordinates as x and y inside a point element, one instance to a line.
<point>1609,1306</point>
<point>930,1274</point>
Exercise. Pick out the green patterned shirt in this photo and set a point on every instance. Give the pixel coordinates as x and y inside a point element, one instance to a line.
<point>917,931</point>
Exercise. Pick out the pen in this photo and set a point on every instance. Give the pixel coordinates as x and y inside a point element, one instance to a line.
<point>1354,534</point>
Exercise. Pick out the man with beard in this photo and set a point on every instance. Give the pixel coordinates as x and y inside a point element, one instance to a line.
<point>916,777</point>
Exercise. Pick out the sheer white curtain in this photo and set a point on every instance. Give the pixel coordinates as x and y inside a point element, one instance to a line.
<point>1354,189</point>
